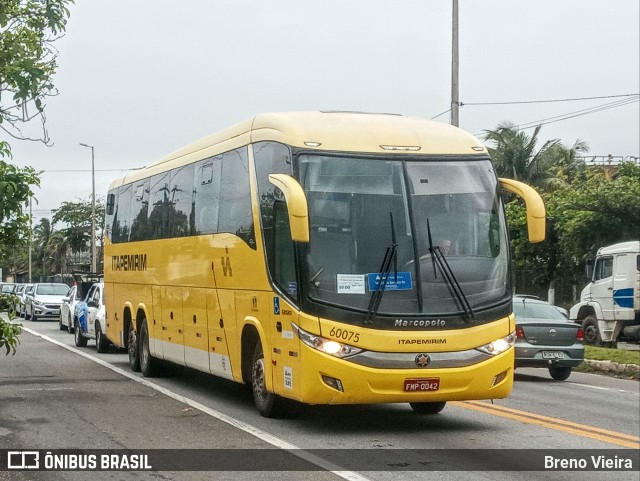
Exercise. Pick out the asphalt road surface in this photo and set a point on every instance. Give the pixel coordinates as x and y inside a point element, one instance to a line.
<point>56,396</point>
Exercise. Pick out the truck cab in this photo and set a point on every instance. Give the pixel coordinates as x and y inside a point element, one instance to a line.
<point>609,305</point>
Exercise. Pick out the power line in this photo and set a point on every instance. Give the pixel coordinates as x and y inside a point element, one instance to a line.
<point>516,102</point>
<point>579,113</point>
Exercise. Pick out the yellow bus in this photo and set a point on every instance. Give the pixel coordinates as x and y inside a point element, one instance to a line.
<point>323,257</point>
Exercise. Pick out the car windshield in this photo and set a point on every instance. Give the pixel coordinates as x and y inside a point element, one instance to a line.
<point>524,309</point>
<point>52,290</point>
<point>362,210</point>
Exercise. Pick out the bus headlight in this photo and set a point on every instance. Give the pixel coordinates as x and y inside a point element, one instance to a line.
<point>499,345</point>
<point>328,346</point>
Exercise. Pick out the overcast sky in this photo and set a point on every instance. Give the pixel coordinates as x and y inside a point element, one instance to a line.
<point>139,79</point>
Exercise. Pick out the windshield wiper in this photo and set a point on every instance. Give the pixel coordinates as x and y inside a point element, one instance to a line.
<point>437,257</point>
<point>390,256</point>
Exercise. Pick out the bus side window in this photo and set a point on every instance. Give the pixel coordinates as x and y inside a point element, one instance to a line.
<point>207,195</point>
<point>284,265</point>
<point>121,221</point>
<point>235,214</point>
<point>159,199</point>
<point>274,158</point>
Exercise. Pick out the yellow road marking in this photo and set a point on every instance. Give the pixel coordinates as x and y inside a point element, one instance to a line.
<point>613,437</point>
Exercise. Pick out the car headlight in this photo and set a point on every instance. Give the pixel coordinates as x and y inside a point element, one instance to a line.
<point>499,345</point>
<point>328,346</point>
<point>38,303</point>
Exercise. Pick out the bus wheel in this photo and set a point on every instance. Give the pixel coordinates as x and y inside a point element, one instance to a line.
<point>102,344</point>
<point>81,341</point>
<point>133,349</point>
<point>428,408</point>
<point>266,402</point>
<point>591,333</point>
<point>149,365</point>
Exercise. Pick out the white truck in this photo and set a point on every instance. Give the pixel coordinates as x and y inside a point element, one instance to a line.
<point>609,307</point>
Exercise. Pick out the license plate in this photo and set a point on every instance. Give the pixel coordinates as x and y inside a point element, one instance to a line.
<point>552,355</point>
<point>421,385</point>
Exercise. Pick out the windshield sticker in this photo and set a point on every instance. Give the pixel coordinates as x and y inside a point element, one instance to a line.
<point>400,282</point>
<point>292,288</point>
<point>350,283</point>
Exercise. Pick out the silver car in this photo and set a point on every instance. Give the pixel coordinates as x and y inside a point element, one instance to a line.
<point>45,300</point>
<point>545,338</point>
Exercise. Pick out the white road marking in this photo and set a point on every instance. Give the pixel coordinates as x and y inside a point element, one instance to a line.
<point>247,428</point>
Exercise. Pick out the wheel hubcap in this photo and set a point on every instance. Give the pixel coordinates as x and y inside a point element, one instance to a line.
<point>258,379</point>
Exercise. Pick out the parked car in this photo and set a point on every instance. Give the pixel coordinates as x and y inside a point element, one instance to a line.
<point>68,307</point>
<point>89,319</point>
<point>17,293</point>
<point>545,338</point>
<point>44,301</point>
<point>21,304</point>
<point>7,288</point>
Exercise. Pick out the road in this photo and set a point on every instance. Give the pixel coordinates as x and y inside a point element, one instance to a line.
<point>588,412</point>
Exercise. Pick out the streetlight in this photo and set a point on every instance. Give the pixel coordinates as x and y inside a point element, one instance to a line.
<point>93,210</point>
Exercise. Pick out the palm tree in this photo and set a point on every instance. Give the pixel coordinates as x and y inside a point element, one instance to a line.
<point>41,235</point>
<point>568,162</point>
<point>58,247</point>
<point>514,155</point>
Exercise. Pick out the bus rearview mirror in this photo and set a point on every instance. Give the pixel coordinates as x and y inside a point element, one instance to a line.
<point>536,214</point>
<point>296,205</point>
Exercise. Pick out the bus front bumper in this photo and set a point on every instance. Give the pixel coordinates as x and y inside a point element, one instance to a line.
<point>329,380</point>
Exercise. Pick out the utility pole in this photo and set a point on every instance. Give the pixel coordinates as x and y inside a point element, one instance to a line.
<point>93,211</point>
<point>30,235</point>
<point>455,101</point>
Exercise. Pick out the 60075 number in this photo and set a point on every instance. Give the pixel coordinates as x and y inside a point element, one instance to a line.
<point>344,334</point>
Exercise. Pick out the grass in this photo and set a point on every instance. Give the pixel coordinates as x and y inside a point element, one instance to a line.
<point>621,356</point>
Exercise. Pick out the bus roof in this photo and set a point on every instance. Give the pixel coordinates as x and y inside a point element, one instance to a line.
<point>326,131</point>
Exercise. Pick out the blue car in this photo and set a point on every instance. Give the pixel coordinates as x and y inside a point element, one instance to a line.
<point>89,319</point>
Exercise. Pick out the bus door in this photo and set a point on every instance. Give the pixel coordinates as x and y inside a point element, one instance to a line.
<point>285,347</point>
<point>172,324</point>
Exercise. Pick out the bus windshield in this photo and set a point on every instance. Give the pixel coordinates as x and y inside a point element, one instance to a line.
<point>363,208</point>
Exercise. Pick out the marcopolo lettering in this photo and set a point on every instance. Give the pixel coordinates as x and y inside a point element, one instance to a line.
<point>129,262</point>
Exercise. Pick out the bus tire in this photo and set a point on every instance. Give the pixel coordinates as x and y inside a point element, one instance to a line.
<point>266,402</point>
<point>149,365</point>
<point>591,332</point>
<point>428,408</point>
<point>102,343</point>
<point>133,349</point>
<point>81,341</point>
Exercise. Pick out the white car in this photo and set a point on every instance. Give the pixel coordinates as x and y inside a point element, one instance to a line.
<point>68,308</point>
<point>45,301</point>
<point>89,319</point>
<point>21,305</point>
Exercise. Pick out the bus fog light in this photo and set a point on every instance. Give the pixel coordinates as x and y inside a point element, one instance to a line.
<point>333,382</point>
<point>499,378</point>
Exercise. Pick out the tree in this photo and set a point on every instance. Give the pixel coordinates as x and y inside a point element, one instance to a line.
<point>591,211</point>
<point>514,155</point>
<point>28,61</point>
<point>28,29</point>
<point>15,191</point>
<point>77,231</point>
